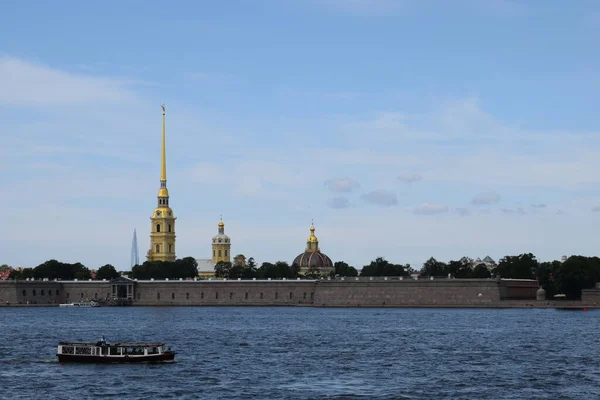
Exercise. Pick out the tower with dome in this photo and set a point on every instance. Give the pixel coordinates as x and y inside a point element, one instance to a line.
<point>221,245</point>
<point>312,262</point>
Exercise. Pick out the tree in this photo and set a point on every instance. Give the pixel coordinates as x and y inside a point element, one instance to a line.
<point>481,271</point>
<point>381,267</point>
<point>106,272</point>
<point>578,273</point>
<point>546,276</point>
<point>461,269</point>
<point>524,266</point>
<point>433,267</point>
<point>222,269</point>
<point>343,269</point>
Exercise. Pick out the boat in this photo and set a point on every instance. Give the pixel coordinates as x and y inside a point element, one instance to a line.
<point>91,303</point>
<point>102,352</point>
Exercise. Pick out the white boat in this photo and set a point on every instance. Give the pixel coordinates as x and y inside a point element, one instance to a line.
<point>82,304</point>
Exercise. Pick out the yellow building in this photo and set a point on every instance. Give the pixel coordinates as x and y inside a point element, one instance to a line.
<point>221,246</point>
<point>162,233</point>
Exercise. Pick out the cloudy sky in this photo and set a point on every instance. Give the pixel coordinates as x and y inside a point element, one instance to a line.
<point>406,129</point>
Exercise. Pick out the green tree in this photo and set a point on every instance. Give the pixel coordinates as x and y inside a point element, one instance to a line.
<point>523,266</point>
<point>381,267</point>
<point>461,269</point>
<point>222,269</point>
<point>546,276</point>
<point>433,267</point>
<point>577,273</point>
<point>106,272</point>
<point>343,269</point>
<point>481,271</point>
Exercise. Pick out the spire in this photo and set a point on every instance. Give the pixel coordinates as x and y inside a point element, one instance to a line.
<point>312,243</point>
<point>135,258</point>
<point>163,158</point>
<point>221,226</point>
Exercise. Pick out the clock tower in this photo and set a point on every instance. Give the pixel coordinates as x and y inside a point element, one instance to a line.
<point>162,233</point>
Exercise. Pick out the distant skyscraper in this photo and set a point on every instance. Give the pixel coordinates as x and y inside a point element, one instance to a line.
<point>135,257</point>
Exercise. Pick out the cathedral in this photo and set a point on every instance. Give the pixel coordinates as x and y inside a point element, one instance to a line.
<point>162,235</point>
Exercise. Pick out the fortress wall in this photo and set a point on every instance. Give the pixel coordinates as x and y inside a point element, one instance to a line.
<point>224,293</point>
<point>363,292</point>
<point>408,292</point>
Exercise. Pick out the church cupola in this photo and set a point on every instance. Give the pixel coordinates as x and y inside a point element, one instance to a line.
<point>221,245</point>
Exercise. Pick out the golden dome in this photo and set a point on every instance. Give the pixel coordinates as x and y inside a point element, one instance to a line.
<point>312,238</point>
<point>221,224</point>
<point>163,192</point>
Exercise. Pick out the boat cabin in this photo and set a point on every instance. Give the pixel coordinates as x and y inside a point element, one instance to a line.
<point>117,352</point>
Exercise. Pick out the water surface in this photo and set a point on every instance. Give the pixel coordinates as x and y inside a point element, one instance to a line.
<point>309,353</point>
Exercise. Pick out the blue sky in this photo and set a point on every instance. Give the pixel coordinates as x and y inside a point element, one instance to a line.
<point>406,129</point>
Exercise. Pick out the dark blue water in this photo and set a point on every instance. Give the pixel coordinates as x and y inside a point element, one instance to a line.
<point>309,353</point>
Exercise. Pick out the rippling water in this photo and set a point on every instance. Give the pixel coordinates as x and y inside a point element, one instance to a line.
<point>309,353</point>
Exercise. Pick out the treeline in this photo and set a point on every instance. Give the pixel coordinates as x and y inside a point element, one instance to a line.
<point>181,268</point>
<point>556,277</point>
<point>53,269</point>
<point>278,270</point>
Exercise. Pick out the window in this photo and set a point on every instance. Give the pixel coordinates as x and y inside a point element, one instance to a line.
<point>276,295</point>
<point>187,296</point>
<point>173,296</point>
<point>33,292</point>
<point>82,295</point>
<point>139,295</point>
<point>67,295</point>
<point>57,292</point>
<point>157,295</point>
<point>219,252</point>
<point>225,253</point>
<point>157,227</point>
<point>170,248</point>
<point>24,292</point>
<point>42,292</point>
<point>213,252</point>
<point>95,295</point>
<point>50,292</point>
<point>261,295</point>
<point>304,296</point>
<point>169,227</point>
<point>246,296</point>
<point>217,295</point>
<point>202,295</point>
<point>290,295</point>
<point>158,248</point>
<point>230,295</point>
<point>312,295</point>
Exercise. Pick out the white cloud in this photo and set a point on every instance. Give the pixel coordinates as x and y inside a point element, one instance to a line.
<point>342,185</point>
<point>339,202</point>
<point>410,177</point>
<point>29,84</point>
<point>430,209</point>
<point>486,198</point>
<point>380,198</point>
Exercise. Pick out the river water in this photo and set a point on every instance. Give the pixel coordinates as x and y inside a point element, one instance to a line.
<point>308,353</point>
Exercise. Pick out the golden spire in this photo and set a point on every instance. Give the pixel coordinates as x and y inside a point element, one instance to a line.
<point>163,159</point>
<point>312,243</point>
<point>221,224</point>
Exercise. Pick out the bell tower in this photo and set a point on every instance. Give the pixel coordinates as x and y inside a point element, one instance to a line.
<point>162,233</point>
<point>221,245</point>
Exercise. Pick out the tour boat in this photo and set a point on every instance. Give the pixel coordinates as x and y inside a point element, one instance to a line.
<point>91,303</point>
<point>101,352</point>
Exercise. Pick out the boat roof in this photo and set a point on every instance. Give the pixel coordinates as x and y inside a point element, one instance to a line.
<point>124,344</point>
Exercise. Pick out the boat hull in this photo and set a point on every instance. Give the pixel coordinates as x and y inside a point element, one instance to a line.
<point>152,359</point>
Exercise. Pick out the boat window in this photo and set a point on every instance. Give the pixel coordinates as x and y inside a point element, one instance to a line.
<point>152,350</point>
<point>68,350</point>
<point>114,351</point>
<point>83,350</point>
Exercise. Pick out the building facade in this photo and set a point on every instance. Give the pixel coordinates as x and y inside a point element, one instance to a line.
<point>162,232</point>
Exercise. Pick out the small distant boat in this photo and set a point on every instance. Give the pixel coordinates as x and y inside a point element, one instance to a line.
<point>91,303</point>
<point>99,352</point>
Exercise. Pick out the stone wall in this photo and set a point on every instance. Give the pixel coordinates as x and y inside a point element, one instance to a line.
<point>349,292</point>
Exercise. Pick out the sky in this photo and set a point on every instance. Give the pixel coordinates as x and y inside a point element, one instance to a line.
<point>406,129</point>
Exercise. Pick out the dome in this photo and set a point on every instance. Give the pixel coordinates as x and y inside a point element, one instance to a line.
<point>163,192</point>
<point>314,260</point>
<point>221,224</point>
